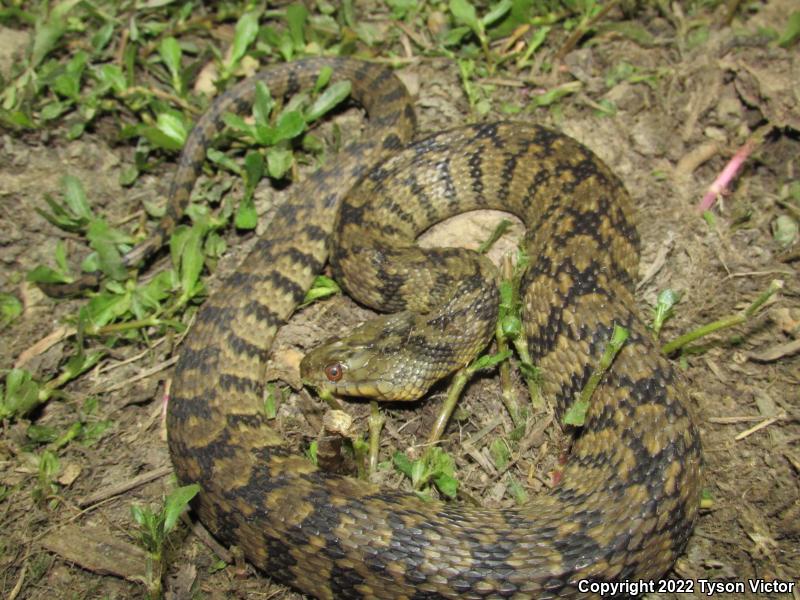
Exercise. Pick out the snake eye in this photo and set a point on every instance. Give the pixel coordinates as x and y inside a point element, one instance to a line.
<point>334,371</point>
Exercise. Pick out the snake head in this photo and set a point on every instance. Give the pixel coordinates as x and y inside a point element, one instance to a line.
<point>371,362</point>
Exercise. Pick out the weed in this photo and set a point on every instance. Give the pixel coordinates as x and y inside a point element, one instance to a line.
<point>154,529</point>
<point>435,468</point>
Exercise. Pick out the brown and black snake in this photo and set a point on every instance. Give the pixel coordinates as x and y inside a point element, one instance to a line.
<point>629,494</point>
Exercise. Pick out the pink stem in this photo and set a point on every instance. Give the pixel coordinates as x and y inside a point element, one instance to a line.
<point>720,185</point>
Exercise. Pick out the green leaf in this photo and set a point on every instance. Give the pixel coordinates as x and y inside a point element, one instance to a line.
<point>400,8</point>
<point>312,144</point>
<point>418,474</point>
<point>102,36</point>
<point>61,256</point>
<point>501,454</point>
<point>80,363</point>
<point>70,434</point>
<point>147,298</point>
<point>464,13</point>
<point>173,127</point>
<point>262,104</point>
<point>75,198</point>
<point>576,414</point>
<point>618,338</point>
<point>68,83</point>
<point>105,307</point>
<point>290,124</point>
<point>93,432</point>
<point>311,453</point>
<point>170,52</point>
<point>104,240</point>
<point>90,263</point>
<point>246,215</point>
<point>321,288</point>
<point>279,161</point>
<point>665,304</point>
<point>253,170</point>
<point>41,434</point>
<point>43,274</point>
<point>49,30</point>
<point>178,502</point>
<point>325,74</point>
<point>271,397</point>
<point>496,13</point>
<point>784,230</point>
<point>402,463</point>
<point>447,485</point>
<point>332,96</point>
<point>244,35</point>
<point>137,512</point>
<point>49,466</point>
<point>187,254</point>
<point>296,15</point>
<point>10,308</point>
<point>455,35</point>
<point>223,160</point>
<point>112,77</point>
<point>21,394</point>
<point>517,491</point>
<point>215,245</point>
<point>238,124</point>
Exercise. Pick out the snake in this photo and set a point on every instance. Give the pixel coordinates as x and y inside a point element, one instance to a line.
<point>629,494</point>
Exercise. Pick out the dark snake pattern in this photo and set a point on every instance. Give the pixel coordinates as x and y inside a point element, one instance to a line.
<point>630,490</point>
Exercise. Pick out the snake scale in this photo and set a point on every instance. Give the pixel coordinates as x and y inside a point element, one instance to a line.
<point>629,494</point>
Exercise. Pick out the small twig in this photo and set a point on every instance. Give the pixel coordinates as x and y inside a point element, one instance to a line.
<point>483,432</point>
<point>204,536</point>
<point>162,95</point>
<point>20,580</point>
<point>43,345</point>
<point>142,375</point>
<point>690,161</point>
<point>762,425</point>
<point>132,359</point>
<point>125,486</point>
<point>412,35</point>
<point>734,420</point>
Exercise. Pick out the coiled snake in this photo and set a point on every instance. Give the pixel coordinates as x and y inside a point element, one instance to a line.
<point>629,494</point>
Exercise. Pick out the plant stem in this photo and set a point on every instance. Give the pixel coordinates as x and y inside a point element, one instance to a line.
<point>460,379</point>
<point>723,323</point>
<point>376,422</point>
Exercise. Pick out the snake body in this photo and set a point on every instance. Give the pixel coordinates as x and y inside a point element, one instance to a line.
<point>629,493</point>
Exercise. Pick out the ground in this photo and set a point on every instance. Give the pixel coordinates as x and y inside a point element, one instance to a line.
<point>673,132</point>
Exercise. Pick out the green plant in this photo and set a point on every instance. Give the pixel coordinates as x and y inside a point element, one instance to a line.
<point>154,529</point>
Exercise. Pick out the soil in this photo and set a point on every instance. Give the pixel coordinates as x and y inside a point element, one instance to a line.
<point>672,134</point>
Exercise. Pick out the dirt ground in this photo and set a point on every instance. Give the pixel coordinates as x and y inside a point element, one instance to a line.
<point>671,136</point>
